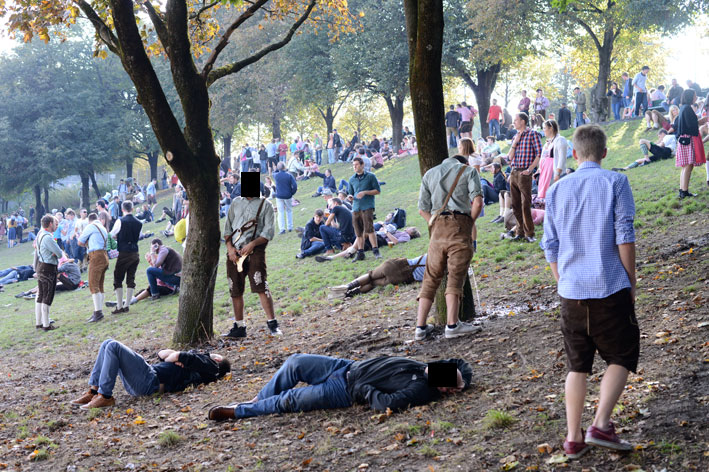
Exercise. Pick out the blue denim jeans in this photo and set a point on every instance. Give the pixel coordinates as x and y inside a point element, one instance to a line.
<point>9,276</point>
<point>330,156</point>
<point>494,128</point>
<point>616,110</point>
<point>285,209</point>
<point>579,119</point>
<point>318,157</point>
<point>139,377</point>
<point>327,380</point>
<point>155,273</point>
<point>315,248</point>
<point>331,237</point>
<point>344,185</point>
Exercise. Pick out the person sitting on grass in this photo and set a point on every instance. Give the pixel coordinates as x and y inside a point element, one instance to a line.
<point>502,187</point>
<point>328,182</point>
<point>177,371</point>
<point>593,262</point>
<point>311,242</point>
<point>341,237</point>
<point>652,152</point>
<point>165,264</point>
<point>68,278</point>
<point>382,383</point>
<point>391,272</point>
<point>655,119</point>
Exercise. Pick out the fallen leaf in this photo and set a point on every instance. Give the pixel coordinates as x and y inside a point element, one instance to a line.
<point>557,459</point>
<point>139,420</point>
<point>510,465</point>
<point>412,442</point>
<point>507,459</point>
<point>306,462</point>
<point>544,448</point>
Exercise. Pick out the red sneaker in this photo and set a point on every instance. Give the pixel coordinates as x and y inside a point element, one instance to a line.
<point>574,450</point>
<point>607,438</point>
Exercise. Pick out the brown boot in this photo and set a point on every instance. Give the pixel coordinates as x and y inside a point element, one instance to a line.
<point>84,399</point>
<point>97,316</point>
<point>99,401</point>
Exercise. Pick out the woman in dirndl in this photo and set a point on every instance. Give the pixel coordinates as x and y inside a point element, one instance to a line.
<point>690,149</point>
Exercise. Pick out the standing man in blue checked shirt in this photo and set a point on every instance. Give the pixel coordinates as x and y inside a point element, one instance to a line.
<point>589,242</point>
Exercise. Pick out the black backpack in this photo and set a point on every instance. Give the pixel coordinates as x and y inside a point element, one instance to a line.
<point>399,218</point>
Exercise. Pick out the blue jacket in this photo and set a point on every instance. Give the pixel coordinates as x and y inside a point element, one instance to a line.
<point>285,185</point>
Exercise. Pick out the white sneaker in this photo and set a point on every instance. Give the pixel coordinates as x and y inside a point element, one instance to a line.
<point>422,334</point>
<point>461,329</point>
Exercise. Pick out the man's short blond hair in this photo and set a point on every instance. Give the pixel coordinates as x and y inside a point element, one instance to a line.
<point>590,142</point>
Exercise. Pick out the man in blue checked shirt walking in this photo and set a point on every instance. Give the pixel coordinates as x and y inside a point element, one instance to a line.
<point>589,242</point>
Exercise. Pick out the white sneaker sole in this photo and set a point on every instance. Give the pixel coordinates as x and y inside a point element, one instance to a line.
<point>456,334</point>
<point>622,446</point>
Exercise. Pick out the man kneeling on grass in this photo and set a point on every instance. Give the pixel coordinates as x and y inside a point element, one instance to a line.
<point>383,383</point>
<point>178,370</point>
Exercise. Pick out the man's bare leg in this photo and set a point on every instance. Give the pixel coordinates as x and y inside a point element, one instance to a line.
<point>266,303</point>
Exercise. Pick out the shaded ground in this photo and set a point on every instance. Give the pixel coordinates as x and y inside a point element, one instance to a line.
<point>519,370</point>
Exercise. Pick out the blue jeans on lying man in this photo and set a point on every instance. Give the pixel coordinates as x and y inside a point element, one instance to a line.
<point>327,387</point>
<point>114,359</point>
<point>155,273</point>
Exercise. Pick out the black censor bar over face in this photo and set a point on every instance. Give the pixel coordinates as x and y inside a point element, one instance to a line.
<point>251,184</point>
<point>442,374</point>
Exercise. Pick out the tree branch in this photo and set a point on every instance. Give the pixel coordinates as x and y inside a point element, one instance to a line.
<point>224,40</point>
<point>344,99</point>
<point>588,29</point>
<point>195,16</point>
<point>157,21</point>
<point>217,74</point>
<point>102,30</point>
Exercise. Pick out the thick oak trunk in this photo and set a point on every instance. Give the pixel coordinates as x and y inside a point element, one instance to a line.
<point>129,168</point>
<point>396,115</point>
<point>599,101</point>
<point>226,158</point>
<point>276,126</point>
<point>94,184</point>
<point>85,190</point>
<point>153,163</point>
<point>40,212</point>
<point>424,29</point>
<point>329,118</point>
<point>483,86</point>
<point>46,199</point>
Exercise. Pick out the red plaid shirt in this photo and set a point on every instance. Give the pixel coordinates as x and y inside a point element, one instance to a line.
<point>528,148</point>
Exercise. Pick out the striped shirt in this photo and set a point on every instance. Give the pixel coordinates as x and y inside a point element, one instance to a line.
<point>588,215</point>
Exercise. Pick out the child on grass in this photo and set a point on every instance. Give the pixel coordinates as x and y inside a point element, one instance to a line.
<point>589,243</point>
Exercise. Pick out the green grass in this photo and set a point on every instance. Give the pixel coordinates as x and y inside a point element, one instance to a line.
<point>299,286</point>
<point>498,419</point>
<point>169,438</point>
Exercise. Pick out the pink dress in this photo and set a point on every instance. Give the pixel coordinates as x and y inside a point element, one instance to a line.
<point>546,171</point>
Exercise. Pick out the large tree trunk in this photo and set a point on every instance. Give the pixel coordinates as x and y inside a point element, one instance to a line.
<point>396,114</point>
<point>94,185</point>
<point>129,168</point>
<point>599,101</point>
<point>486,80</point>
<point>276,125</point>
<point>85,194</point>
<point>226,159</point>
<point>46,199</point>
<point>329,118</point>
<point>40,211</point>
<point>424,29</point>
<point>153,163</point>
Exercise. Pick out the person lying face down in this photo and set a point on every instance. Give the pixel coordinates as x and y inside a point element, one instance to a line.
<point>177,371</point>
<point>394,383</point>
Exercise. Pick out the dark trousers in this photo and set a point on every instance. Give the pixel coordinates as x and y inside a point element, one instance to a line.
<point>640,101</point>
<point>521,192</point>
<point>126,266</point>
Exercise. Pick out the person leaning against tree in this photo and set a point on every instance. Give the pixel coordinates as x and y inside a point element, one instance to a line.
<point>447,191</point>
<point>94,237</point>
<point>523,157</point>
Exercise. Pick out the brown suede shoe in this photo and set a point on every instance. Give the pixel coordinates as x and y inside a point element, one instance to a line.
<point>84,399</point>
<point>99,401</point>
<point>221,413</point>
<point>118,311</point>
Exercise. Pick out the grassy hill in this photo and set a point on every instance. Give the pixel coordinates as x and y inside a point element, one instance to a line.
<point>516,402</point>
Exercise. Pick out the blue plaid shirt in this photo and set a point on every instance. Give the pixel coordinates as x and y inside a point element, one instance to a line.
<point>588,214</point>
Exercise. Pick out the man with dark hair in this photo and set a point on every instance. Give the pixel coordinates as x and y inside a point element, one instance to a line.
<point>94,238</point>
<point>452,118</point>
<point>674,94</point>
<point>177,371</point>
<point>165,265</point>
<point>341,237</point>
<point>640,89</point>
<point>47,254</point>
<point>383,383</point>
<point>564,117</point>
<point>523,157</point>
<point>127,232</point>
<point>311,242</point>
<point>364,186</point>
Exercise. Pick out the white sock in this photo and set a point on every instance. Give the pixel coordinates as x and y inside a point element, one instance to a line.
<point>38,313</point>
<point>133,301</point>
<point>129,296</point>
<point>96,297</point>
<point>45,315</point>
<point>102,299</point>
<point>241,323</point>
<point>119,298</point>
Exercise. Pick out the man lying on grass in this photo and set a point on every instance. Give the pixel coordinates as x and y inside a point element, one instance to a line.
<point>394,383</point>
<point>178,370</point>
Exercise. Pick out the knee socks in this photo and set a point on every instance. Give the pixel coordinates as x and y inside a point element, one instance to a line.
<point>96,297</point>
<point>37,313</point>
<point>129,295</point>
<point>119,298</point>
<point>45,315</point>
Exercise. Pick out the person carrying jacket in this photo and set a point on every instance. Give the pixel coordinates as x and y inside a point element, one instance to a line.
<point>177,371</point>
<point>394,383</point>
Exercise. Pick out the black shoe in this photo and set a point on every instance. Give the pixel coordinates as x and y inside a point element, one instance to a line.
<point>97,316</point>
<point>273,328</point>
<point>518,237</point>
<point>375,251</point>
<point>359,256</point>
<point>50,327</point>
<point>530,239</point>
<point>155,297</point>
<point>687,193</point>
<point>322,258</point>
<point>681,194</point>
<point>352,292</point>
<point>235,332</point>
<point>111,304</point>
<point>21,294</point>
<point>618,169</point>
